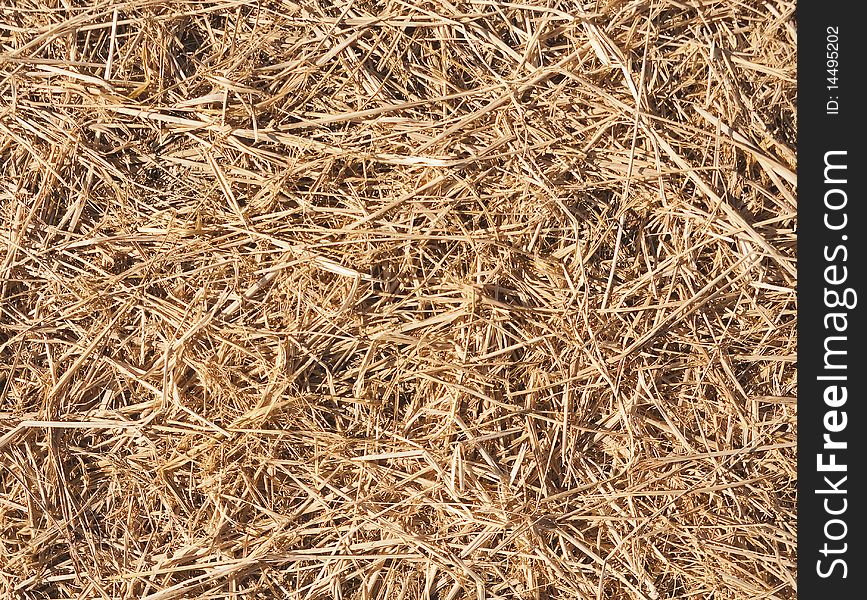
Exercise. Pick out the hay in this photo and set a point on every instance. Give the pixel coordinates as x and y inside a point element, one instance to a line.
<point>398,299</point>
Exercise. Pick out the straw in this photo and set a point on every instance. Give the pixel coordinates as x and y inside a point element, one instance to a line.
<point>399,299</point>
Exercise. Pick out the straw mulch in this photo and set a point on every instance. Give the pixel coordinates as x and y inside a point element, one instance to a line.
<point>397,299</point>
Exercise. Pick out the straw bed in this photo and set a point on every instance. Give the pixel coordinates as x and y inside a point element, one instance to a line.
<point>397,300</point>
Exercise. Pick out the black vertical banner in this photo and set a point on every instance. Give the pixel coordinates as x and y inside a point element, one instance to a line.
<point>832,372</point>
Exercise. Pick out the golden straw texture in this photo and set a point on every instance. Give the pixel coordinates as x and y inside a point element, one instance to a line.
<point>397,299</point>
